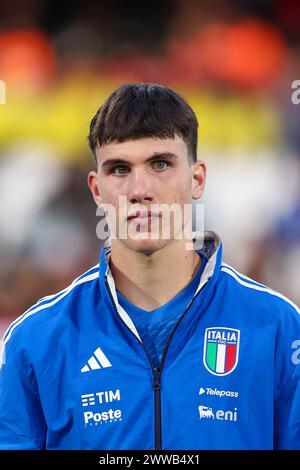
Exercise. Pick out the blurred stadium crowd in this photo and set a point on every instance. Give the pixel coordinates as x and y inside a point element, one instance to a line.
<point>234,61</point>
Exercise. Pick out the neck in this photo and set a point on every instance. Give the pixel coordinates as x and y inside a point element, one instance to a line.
<point>150,281</point>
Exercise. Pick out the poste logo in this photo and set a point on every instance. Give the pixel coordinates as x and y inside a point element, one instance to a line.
<point>221,350</point>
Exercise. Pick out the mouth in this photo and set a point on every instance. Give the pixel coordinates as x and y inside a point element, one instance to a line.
<point>146,220</point>
<point>143,216</point>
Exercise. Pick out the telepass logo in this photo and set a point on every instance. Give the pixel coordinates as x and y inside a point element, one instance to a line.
<point>221,350</point>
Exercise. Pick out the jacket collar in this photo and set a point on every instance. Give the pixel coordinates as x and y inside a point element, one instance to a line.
<point>205,243</point>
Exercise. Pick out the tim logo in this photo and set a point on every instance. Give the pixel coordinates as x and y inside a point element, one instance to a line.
<point>221,350</point>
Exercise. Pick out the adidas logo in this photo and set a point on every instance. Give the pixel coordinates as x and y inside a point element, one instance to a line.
<point>97,361</point>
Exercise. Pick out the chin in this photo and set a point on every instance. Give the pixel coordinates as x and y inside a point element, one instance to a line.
<point>146,246</point>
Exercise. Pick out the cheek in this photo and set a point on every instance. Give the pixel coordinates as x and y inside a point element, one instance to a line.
<point>180,190</point>
<point>108,195</point>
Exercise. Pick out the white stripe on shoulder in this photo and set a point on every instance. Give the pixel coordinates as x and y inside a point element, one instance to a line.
<point>260,288</point>
<point>242,276</point>
<point>38,308</point>
<point>49,297</point>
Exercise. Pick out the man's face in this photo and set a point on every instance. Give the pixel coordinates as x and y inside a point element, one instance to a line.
<point>135,178</point>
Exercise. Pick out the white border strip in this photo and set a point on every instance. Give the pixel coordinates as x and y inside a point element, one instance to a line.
<point>123,314</point>
<point>63,290</point>
<point>243,276</point>
<point>48,297</point>
<point>262,289</point>
<point>23,317</point>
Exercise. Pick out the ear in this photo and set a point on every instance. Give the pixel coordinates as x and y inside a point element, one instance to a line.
<point>199,177</point>
<point>93,184</point>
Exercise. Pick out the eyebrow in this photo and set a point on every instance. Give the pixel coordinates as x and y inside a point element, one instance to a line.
<point>119,161</point>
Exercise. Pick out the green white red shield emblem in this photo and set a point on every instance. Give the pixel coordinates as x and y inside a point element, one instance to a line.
<point>221,350</point>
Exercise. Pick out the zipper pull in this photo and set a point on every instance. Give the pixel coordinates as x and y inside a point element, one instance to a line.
<point>156,378</point>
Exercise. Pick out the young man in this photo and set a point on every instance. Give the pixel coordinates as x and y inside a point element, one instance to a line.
<point>160,346</point>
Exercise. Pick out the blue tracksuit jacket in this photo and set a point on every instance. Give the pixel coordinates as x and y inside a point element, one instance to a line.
<point>75,374</point>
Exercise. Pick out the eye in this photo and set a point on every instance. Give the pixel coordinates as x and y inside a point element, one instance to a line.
<point>161,164</point>
<point>119,170</point>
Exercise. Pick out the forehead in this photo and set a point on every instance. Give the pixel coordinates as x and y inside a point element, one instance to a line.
<point>140,149</point>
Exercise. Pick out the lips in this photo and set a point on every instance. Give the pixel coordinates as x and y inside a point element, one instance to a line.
<point>139,215</point>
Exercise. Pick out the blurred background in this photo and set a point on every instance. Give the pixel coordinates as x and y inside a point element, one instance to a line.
<point>234,61</point>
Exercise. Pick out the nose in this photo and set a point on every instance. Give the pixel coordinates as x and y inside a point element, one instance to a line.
<point>140,188</point>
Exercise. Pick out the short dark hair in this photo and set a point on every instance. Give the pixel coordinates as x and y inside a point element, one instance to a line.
<point>138,110</point>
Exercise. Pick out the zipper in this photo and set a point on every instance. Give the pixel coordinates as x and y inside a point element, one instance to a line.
<point>157,407</point>
<point>157,371</point>
<point>157,378</point>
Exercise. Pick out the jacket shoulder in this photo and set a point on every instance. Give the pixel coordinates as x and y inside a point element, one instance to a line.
<point>45,309</point>
<point>262,295</point>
